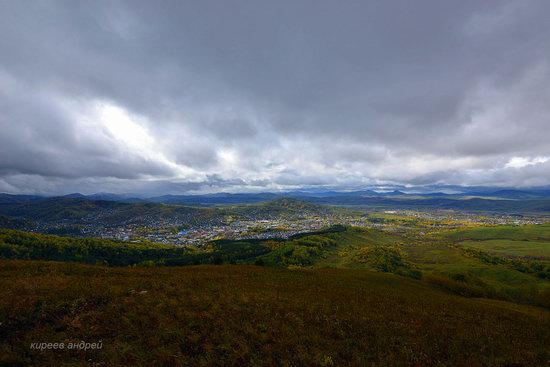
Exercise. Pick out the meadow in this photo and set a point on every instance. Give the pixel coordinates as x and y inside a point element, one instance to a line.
<point>234,315</point>
<point>508,232</point>
<point>532,249</point>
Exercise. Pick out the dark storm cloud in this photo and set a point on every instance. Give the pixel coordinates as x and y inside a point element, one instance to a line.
<point>244,94</point>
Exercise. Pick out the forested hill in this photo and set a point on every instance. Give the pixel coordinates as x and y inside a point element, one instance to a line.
<point>79,210</point>
<point>33,246</point>
<point>76,210</point>
<point>283,207</point>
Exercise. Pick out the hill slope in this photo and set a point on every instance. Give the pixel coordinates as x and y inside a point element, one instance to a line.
<point>245,315</point>
<point>85,211</point>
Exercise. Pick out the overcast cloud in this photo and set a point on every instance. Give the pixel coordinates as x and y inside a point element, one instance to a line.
<point>197,96</point>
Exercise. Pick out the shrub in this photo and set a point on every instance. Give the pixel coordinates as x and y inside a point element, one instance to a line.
<point>466,287</point>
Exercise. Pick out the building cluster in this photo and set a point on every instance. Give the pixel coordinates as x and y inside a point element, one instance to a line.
<point>179,232</point>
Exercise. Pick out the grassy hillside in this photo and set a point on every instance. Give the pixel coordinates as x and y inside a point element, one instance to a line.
<point>533,249</point>
<point>447,259</point>
<point>245,315</point>
<point>527,233</point>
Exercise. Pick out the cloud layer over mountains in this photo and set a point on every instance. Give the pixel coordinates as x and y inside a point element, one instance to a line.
<point>185,96</point>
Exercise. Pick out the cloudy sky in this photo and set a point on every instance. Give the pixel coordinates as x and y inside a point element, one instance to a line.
<point>248,95</point>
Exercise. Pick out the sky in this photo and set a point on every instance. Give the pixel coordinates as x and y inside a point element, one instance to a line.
<point>159,97</point>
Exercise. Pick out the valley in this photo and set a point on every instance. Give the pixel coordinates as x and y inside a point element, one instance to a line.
<point>364,285</point>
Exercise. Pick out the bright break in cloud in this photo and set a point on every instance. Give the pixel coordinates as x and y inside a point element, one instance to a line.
<point>195,96</point>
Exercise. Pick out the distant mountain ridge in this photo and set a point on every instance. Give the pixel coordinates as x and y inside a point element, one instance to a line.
<point>224,197</point>
<point>472,199</point>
